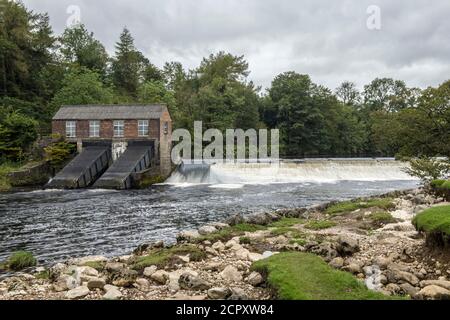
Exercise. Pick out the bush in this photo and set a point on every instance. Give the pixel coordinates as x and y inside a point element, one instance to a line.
<point>441,188</point>
<point>435,223</point>
<point>20,260</point>
<point>304,276</point>
<point>59,151</point>
<point>428,169</point>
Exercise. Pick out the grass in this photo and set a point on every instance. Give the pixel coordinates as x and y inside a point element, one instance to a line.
<point>319,224</point>
<point>21,260</point>
<point>381,218</point>
<point>294,233</point>
<point>304,276</point>
<point>435,222</point>
<point>287,222</point>
<point>164,257</point>
<point>349,206</point>
<point>300,242</point>
<point>97,265</point>
<point>44,275</point>
<point>245,240</point>
<point>230,232</point>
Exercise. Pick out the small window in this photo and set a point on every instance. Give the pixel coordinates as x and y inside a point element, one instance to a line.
<point>119,128</point>
<point>94,129</point>
<point>71,129</point>
<point>166,127</point>
<point>143,128</point>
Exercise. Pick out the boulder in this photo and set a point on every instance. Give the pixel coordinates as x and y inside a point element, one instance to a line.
<point>352,268</point>
<point>90,259</point>
<point>65,282</point>
<point>112,293</point>
<point>149,271</point>
<point>382,262</point>
<point>262,218</point>
<point>220,225</point>
<point>397,275</point>
<point>393,289</point>
<point>242,254</point>
<point>253,256</point>
<point>230,273</point>
<point>219,293</point>
<point>440,283</point>
<point>189,281</point>
<point>219,246</point>
<point>142,284</point>
<point>124,278</point>
<point>434,292</point>
<point>77,293</point>
<point>237,294</point>
<point>409,289</point>
<point>114,266</point>
<point>187,235</point>
<point>347,246</point>
<point>96,283</point>
<point>231,243</point>
<point>205,230</point>
<point>235,219</point>
<point>337,263</point>
<point>160,276</point>
<point>255,279</point>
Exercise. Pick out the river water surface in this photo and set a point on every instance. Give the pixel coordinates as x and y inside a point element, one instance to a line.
<point>57,224</point>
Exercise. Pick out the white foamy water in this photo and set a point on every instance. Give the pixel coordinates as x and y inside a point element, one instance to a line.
<point>316,171</point>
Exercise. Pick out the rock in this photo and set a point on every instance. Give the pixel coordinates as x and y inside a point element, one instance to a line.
<point>230,273</point>
<point>434,292</point>
<point>142,284</point>
<point>219,293</point>
<point>213,266</point>
<point>190,282</point>
<point>230,244</point>
<point>142,248</point>
<point>124,278</point>
<point>237,294</point>
<point>85,273</point>
<point>211,251</point>
<point>149,271</point>
<point>65,282</point>
<point>325,250</point>
<point>220,225</point>
<point>242,254</point>
<point>125,259</point>
<point>352,268</point>
<point>397,275</point>
<point>268,254</point>
<point>183,259</point>
<point>262,218</point>
<point>205,230</point>
<point>188,235</point>
<point>409,289</point>
<point>77,293</point>
<point>382,262</point>
<point>219,246</point>
<point>96,283</point>
<point>236,219</point>
<point>112,293</point>
<point>347,246</point>
<point>255,279</point>
<point>441,283</point>
<point>253,256</point>
<point>90,259</point>
<point>114,266</point>
<point>337,263</point>
<point>160,276</point>
<point>393,288</point>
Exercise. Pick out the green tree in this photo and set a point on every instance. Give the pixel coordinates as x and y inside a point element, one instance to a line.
<point>17,132</point>
<point>78,46</point>
<point>82,86</point>
<point>348,93</point>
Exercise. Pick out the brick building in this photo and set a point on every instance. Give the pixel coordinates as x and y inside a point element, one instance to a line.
<point>118,125</point>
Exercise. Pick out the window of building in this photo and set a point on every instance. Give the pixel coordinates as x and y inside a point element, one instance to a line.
<point>119,128</point>
<point>143,128</point>
<point>94,129</point>
<point>166,127</point>
<point>71,129</point>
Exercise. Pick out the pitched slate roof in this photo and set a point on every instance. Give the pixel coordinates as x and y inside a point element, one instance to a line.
<point>113,112</point>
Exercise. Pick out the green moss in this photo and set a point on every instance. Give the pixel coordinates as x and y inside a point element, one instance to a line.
<point>149,181</point>
<point>20,260</point>
<point>435,222</point>
<point>319,224</point>
<point>44,275</point>
<point>163,257</point>
<point>294,233</point>
<point>304,276</point>
<point>300,242</point>
<point>382,217</point>
<point>349,206</point>
<point>245,240</point>
<point>287,222</point>
<point>97,265</point>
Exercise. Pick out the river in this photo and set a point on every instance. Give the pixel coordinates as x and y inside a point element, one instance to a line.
<point>57,224</point>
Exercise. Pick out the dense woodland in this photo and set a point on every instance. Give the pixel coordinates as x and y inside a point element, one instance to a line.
<point>40,71</point>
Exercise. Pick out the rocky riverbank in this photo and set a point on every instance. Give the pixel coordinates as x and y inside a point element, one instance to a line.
<point>371,238</point>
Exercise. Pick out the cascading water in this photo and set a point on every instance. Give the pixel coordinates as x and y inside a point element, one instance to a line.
<point>291,172</point>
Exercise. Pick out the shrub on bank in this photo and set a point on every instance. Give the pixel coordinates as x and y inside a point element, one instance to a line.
<point>441,188</point>
<point>304,276</point>
<point>435,223</point>
<point>21,260</point>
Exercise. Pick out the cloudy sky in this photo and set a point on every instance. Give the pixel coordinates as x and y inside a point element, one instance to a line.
<point>328,39</point>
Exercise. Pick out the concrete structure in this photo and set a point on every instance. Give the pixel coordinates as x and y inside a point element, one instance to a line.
<point>118,125</point>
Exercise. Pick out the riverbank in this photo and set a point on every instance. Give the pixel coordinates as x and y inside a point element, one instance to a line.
<point>372,239</point>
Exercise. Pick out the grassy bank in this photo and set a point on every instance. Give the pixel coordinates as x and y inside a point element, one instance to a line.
<point>6,168</point>
<point>435,223</point>
<point>304,276</point>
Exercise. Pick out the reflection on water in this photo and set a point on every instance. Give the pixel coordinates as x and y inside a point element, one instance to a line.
<point>56,224</point>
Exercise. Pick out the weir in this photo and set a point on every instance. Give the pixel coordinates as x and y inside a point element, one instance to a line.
<point>82,171</point>
<point>136,158</point>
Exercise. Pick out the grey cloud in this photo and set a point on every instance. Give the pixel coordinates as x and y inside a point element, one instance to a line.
<point>327,39</point>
